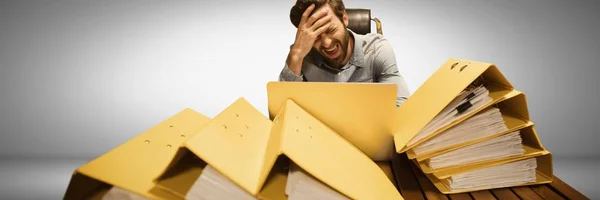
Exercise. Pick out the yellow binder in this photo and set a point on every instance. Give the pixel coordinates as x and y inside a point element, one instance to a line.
<point>437,92</point>
<point>531,144</point>
<point>515,114</point>
<point>136,163</point>
<point>362,113</point>
<point>543,175</point>
<point>245,146</point>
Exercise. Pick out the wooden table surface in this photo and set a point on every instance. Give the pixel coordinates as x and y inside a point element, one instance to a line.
<point>413,184</point>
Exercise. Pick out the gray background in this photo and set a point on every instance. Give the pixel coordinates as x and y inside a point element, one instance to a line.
<point>78,78</point>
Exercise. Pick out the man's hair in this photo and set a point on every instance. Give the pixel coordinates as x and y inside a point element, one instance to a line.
<point>301,6</point>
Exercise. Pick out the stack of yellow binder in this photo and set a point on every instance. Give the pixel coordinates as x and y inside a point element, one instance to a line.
<point>465,143</point>
<point>250,150</point>
<point>332,138</point>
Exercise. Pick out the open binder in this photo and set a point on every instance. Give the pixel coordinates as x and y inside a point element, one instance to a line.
<point>362,113</point>
<point>439,90</point>
<point>135,164</point>
<point>531,145</point>
<point>251,150</point>
<point>515,114</point>
<point>543,172</point>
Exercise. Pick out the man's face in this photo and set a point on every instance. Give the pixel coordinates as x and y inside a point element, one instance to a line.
<point>333,43</point>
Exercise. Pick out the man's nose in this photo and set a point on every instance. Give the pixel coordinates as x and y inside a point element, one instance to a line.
<point>326,42</point>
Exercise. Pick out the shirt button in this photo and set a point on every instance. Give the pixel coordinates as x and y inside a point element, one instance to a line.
<point>339,73</point>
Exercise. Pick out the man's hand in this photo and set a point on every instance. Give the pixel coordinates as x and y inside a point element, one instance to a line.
<point>309,29</point>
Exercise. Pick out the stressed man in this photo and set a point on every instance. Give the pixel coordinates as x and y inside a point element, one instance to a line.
<point>326,50</point>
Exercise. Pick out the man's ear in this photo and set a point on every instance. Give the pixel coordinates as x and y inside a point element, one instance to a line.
<point>345,18</point>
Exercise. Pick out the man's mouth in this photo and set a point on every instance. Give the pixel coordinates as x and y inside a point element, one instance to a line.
<point>333,51</point>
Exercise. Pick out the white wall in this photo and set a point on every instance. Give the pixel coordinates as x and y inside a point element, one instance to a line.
<point>78,78</point>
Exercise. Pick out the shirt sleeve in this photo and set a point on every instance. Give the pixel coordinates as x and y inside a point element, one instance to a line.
<point>287,75</point>
<point>385,65</point>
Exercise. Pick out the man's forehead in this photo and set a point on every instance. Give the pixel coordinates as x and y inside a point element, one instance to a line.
<point>323,6</point>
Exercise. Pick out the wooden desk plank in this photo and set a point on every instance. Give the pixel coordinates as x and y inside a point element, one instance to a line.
<point>461,196</point>
<point>546,192</point>
<point>409,187</point>
<point>430,191</point>
<point>526,193</point>
<point>483,195</point>
<point>504,193</point>
<point>566,190</point>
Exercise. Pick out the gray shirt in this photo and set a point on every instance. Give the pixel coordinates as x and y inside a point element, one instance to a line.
<point>373,60</point>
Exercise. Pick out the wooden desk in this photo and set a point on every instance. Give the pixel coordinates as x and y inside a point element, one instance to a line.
<point>413,184</point>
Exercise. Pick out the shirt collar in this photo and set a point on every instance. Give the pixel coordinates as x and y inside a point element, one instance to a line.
<point>357,57</point>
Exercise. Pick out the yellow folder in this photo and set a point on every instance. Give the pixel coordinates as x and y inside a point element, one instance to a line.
<point>439,90</point>
<point>135,164</point>
<point>515,114</point>
<point>544,173</point>
<point>362,113</point>
<point>531,144</point>
<point>245,146</point>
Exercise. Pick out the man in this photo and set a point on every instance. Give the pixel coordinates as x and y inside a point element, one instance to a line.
<point>325,50</point>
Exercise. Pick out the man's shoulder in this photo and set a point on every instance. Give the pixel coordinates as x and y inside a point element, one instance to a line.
<point>372,41</point>
<point>371,37</point>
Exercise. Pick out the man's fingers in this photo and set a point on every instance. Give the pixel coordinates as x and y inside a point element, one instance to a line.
<point>316,16</point>
<point>320,22</point>
<point>306,13</point>
<point>323,28</point>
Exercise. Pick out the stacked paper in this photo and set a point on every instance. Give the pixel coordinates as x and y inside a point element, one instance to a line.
<point>474,134</point>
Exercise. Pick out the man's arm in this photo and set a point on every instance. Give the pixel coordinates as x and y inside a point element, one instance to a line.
<point>387,70</point>
<point>292,62</point>
<point>309,28</point>
<point>287,75</point>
